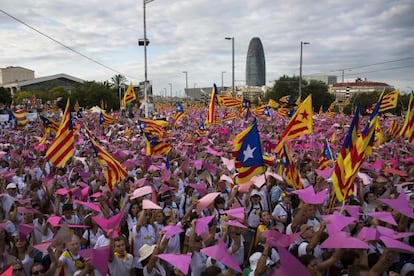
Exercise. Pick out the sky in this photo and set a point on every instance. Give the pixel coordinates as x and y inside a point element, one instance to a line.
<point>371,39</point>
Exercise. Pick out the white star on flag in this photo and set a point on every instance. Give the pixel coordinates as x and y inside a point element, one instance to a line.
<point>248,153</point>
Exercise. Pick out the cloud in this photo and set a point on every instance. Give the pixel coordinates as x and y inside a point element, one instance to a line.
<point>189,36</point>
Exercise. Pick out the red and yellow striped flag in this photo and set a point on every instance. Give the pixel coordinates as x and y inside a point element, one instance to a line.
<point>389,101</point>
<point>291,173</point>
<point>228,101</point>
<point>62,147</point>
<point>408,127</point>
<point>211,115</point>
<point>394,129</point>
<point>273,104</point>
<point>21,117</point>
<point>129,95</point>
<point>114,172</point>
<point>300,123</point>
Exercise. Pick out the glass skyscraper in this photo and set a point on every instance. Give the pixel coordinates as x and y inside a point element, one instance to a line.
<point>255,64</point>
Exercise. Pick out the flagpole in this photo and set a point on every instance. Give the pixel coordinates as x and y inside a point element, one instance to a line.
<point>329,148</point>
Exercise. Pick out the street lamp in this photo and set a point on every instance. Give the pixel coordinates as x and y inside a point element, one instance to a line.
<point>300,67</point>
<point>170,84</point>
<point>232,61</point>
<point>186,80</point>
<point>222,86</point>
<point>145,43</point>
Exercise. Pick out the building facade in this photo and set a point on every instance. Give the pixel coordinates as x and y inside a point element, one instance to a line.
<point>255,64</point>
<point>14,74</point>
<point>346,90</point>
<point>327,79</point>
<point>44,83</point>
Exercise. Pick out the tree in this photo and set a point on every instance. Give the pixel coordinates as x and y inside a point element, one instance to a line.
<point>118,80</point>
<point>58,92</point>
<point>290,86</point>
<point>5,96</point>
<point>285,85</point>
<point>320,94</point>
<point>92,93</point>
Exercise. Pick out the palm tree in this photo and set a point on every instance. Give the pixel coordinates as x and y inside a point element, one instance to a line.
<point>118,80</point>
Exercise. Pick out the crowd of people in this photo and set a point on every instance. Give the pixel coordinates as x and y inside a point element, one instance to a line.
<point>50,217</point>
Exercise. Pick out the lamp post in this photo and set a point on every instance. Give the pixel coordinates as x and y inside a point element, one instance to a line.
<point>222,86</point>
<point>232,62</point>
<point>170,84</point>
<point>300,67</point>
<point>145,58</point>
<point>186,80</point>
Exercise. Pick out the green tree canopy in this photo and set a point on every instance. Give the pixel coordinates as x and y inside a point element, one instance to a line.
<point>118,80</point>
<point>5,96</point>
<point>290,86</point>
<point>92,93</point>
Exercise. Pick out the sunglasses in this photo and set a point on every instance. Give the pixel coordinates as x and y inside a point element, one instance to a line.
<point>38,272</point>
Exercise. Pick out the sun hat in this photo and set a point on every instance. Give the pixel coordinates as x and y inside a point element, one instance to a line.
<point>145,251</point>
<point>11,186</point>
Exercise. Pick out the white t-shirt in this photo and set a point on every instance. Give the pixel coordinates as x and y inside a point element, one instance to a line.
<point>157,270</point>
<point>120,267</point>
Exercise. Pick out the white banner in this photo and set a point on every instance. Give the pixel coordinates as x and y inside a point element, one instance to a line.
<point>31,117</point>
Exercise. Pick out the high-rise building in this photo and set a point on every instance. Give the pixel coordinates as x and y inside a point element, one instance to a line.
<point>255,64</point>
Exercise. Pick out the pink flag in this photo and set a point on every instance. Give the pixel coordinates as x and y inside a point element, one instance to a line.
<point>336,222</point>
<point>229,163</point>
<point>275,176</point>
<point>275,238</point>
<point>202,223</point>
<point>92,206</point>
<point>141,192</point>
<point>396,245</point>
<point>368,234</point>
<point>377,165</point>
<point>258,180</point>
<point>148,204</point>
<point>384,231</point>
<point>219,253</point>
<point>172,230</point>
<point>24,210</point>
<point>109,224</point>
<point>213,152</point>
<point>54,220</point>
<point>24,230</point>
<point>383,216</point>
<point>205,201</point>
<point>289,264</point>
<point>325,174</point>
<point>237,213</point>
<point>353,211</point>
<point>98,258</point>
<point>200,188</point>
<point>197,164</point>
<point>180,261</point>
<point>42,247</point>
<point>309,196</point>
<point>399,204</point>
<point>343,240</point>
<point>235,223</point>
<point>245,187</point>
<point>210,167</point>
<point>366,179</point>
<point>8,271</point>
